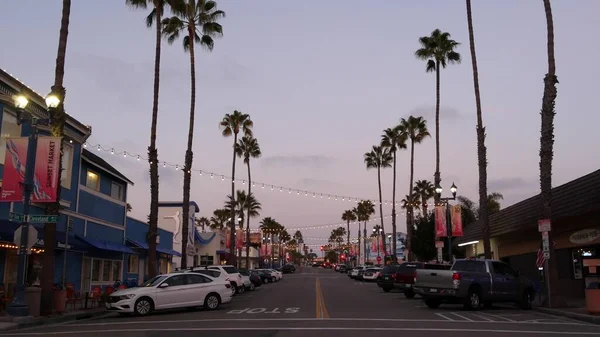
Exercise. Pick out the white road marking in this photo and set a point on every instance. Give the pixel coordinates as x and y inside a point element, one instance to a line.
<point>498,317</point>
<point>508,331</point>
<point>293,310</point>
<point>444,317</point>
<point>484,318</point>
<point>461,316</point>
<point>179,322</point>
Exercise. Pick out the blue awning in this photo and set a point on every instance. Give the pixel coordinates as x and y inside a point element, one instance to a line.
<point>74,243</point>
<point>202,240</point>
<point>222,252</point>
<point>144,245</point>
<point>106,245</point>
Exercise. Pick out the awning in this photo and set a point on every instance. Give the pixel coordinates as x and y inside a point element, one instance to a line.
<point>106,245</point>
<point>74,243</point>
<point>144,245</point>
<point>224,252</point>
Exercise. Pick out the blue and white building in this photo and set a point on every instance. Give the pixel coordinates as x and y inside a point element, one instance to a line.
<point>102,244</point>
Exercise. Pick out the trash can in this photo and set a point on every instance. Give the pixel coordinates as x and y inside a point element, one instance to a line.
<point>33,297</point>
<point>592,298</point>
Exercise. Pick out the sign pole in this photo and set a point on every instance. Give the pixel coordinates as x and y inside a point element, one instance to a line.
<point>18,307</point>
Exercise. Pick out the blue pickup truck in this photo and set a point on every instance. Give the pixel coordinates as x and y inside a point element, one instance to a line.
<point>474,283</point>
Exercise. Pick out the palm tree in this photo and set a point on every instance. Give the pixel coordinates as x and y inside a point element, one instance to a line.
<point>298,237</point>
<point>248,147</point>
<point>243,202</point>
<point>424,189</point>
<point>481,149</point>
<point>198,20</point>
<point>547,142</point>
<point>271,227</point>
<point>202,222</point>
<point>415,129</point>
<point>219,218</point>
<point>232,124</point>
<point>155,17</point>
<point>58,120</point>
<point>364,210</point>
<point>253,208</point>
<point>471,213</point>
<point>379,158</point>
<point>409,202</point>
<point>439,51</point>
<point>348,216</point>
<point>393,140</point>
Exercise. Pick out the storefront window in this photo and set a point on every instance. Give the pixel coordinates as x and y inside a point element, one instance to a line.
<point>96,270</point>
<point>578,256</point>
<point>132,264</point>
<point>206,260</point>
<point>163,266</point>
<point>106,270</point>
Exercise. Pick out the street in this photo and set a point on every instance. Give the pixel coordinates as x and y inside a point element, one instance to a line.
<point>322,302</point>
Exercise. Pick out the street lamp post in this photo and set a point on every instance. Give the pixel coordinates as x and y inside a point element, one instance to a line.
<point>377,232</point>
<point>439,190</point>
<point>18,307</point>
<point>392,254</point>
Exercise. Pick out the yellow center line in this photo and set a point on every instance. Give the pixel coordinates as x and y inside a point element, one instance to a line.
<point>321,309</point>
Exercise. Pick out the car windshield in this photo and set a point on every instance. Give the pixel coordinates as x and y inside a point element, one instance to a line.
<point>153,282</point>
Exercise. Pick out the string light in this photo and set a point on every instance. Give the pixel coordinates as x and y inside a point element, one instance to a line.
<point>127,154</point>
<point>329,225</point>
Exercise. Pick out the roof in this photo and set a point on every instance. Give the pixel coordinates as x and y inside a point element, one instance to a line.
<point>579,196</point>
<point>94,159</point>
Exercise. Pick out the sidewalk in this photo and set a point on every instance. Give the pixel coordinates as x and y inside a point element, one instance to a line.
<point>13,323</point>
<point>580,314</point>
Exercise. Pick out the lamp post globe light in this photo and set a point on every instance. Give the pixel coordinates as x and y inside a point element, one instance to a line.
<point>18,307</point>
<point>453,190</point>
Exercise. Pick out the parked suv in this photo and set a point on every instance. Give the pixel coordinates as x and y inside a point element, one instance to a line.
<point>232,275</point>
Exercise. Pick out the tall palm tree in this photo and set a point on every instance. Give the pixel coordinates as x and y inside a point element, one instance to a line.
<point>357,211</point>
<point>379,158</point>
<point>154,18</point>
<point>547,142</point>
<point>58,119</point>
<point>298,237</point>
<point>219,218</point>
<point>364,209</point>
<point>481,149</point>
<point>244,202</point>
<point>348,216</point>
<point>438,50</point>
<point>202,222</point>
<point>415,129</point>
<point>424,189</point>
<point>393,139</point>
<point>471,212</point>
<point>232,124</point>
<point>248,147</point>
<point>198,20</point>
<point>253,208</point>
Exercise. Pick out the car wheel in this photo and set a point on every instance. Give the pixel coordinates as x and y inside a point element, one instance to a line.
<point>473,300</point>
<point>143,306</point>
<point>274,279</point>
<point>212,301</point>
<point>252,287</point>
<point>266,280</point>
<point>233,290</point>
<point>240,290</point>
<point>526,300</point>
<point>409,294</point>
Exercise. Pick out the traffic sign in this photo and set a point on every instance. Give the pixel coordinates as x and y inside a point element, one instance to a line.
<point>16,217</point>
<point>43,218</point>
<point>544,225</point>
<point>439,244</point>
<point>32,236</point>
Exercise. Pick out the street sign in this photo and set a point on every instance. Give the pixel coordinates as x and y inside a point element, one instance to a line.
<point>440,255</point>
<point>16,217</point>
<point>544,225</point>
<point>32,238</point>
<point>439,244</point>
<point>43,218</point>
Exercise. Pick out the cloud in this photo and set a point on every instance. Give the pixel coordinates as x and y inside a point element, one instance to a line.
<point>428,111</point>
<point>308,161</point>
<point>318,183</point>
<point>509,183</point>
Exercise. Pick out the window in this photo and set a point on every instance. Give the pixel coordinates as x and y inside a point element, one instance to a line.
<point>106,270</point>
<point>163,266</point>
<point>177,280</point>
<point>195,260</point>
<point>230,270</point>
<point>132,264</point>
<point>195,279</point>
<point>116,191</point>
<point>92,180</point>
<point>503,269</point>
<point>10,128</point>
<point>213,273</point>
<point>67,165</point>
<point>206,260</point>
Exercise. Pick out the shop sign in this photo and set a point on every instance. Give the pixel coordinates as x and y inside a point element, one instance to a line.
<point>584,236</point>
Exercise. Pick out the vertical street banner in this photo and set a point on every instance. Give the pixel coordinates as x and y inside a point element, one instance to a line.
<point>239,238</point>
<point>456,216</point>
<point>263,249</point>
<point>440,222</point>
<point>374,244</point>
<point>45,181</point>
<point>14,169</point>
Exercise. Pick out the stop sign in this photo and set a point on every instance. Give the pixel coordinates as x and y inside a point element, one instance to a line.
<point>379,259</point>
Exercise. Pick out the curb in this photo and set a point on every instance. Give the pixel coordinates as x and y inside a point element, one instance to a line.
<point>55,320</point>
<point>572,315</point>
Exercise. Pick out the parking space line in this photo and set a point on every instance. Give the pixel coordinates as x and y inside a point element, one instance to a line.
<point>444,317</point>
<point>461,316</point>
<point>482,317</point>
<point>499,317</point>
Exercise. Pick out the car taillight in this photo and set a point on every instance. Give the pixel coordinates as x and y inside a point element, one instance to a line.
<point>456,276</point>
<point>415,277</point>
<point>227,285</point>
<point>394,277</point>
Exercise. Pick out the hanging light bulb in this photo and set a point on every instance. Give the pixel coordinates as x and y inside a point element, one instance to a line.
<point>125,154</point>
<point>112,151</point>
<point>222,178</point>
<point>138,158</point>
<point>84,144</point>
<point>243,182</point>
<point>281,189</point>
<point>200,172</point>
<point>290,191</point>
<point>298,193</point>
<point>164,164</point>
<point>211,176</point>
<point>271,187</point>
<point>176,167</point>
<point>263,185</point>
<point>98,147</point>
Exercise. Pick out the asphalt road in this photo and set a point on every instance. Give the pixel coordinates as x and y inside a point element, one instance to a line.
<point>323,303</point>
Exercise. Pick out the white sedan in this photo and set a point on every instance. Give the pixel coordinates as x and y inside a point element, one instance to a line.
<point>170,291</point>
<point>278,275</point>
<point>371,274</point>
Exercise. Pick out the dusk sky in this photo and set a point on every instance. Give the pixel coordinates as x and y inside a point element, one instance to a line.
<point>321,83</point>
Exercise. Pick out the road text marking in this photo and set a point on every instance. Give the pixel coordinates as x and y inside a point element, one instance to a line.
<point>293,310</point>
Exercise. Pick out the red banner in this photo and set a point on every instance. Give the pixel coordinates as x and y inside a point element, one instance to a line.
<point>457,225</point>
<point>239,238</point>
<point>46,169</point>
<point>14,169</point>
<point>440,222</point>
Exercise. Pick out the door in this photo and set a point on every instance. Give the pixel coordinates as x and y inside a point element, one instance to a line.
<point>141,271</point>
<point>86,277</point>
<point>506,283</point>
<point>172,296</point>
<point>196,289</point>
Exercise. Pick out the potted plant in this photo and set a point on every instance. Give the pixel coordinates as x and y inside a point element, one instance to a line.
<point>592,298</point>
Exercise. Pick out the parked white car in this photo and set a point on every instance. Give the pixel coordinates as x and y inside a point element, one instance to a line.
<point>277,274</point>
<point>170,291</point>
<point>247,283</point>
<point>214,274</point>
<point>371,274</point>
<point>232,274</point>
